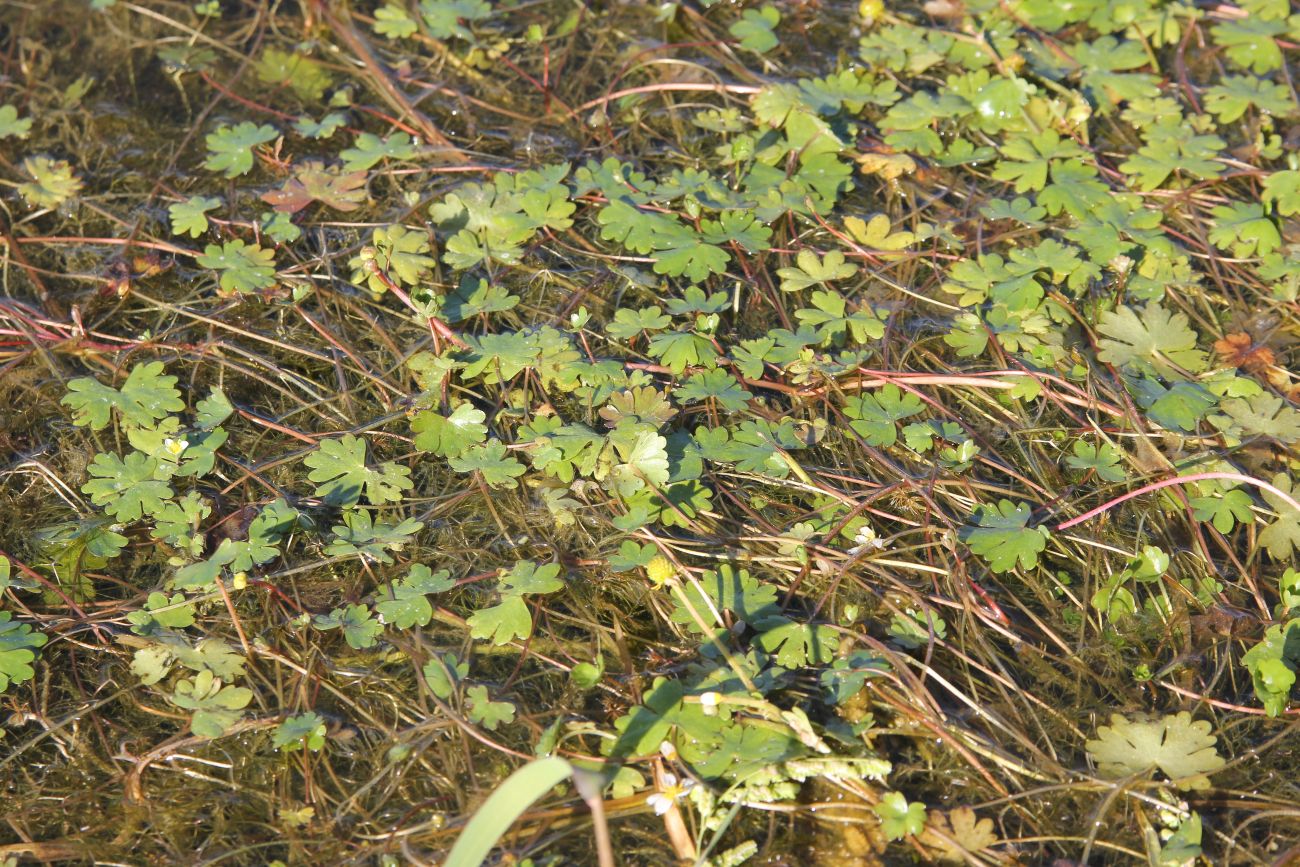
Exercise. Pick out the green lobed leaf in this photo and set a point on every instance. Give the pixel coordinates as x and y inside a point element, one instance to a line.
<point>230,149</point>
<point>1003,537</point>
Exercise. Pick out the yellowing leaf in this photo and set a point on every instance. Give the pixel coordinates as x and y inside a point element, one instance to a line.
<point>889,166</point>
<point>875,233</point>
<point>959,834</point>
<point>50,182</point>
<point>815,270</point>
<point>1182,749</point>
<point>1155,340</point>
<point>1282,536</point>
<point>11,125</point>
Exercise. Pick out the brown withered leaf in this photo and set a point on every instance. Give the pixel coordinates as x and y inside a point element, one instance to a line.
<point>889,166</point>
<point>313,182</point>
<point>1240,351</point>
<point>945,9</point>
<point>960,826</point>
<point>117,279</point>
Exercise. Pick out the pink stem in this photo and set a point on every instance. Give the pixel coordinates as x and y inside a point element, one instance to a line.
<point>1180,480</point>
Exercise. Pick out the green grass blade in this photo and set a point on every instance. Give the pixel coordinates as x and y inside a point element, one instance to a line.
<point>503,807</point>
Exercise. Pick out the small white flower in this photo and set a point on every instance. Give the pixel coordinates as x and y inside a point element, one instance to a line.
<point>709,703</point>
<point>175,447</point>
<point>866,538</point>
<point>672,791</point>
<point>667,750</point>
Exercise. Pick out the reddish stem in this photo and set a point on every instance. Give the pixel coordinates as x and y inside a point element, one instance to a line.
<point>125,242</point>
<point>247,103</point>
<point>1180,480</point>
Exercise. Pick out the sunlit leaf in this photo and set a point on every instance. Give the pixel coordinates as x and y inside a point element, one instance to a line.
<point>230,149</point>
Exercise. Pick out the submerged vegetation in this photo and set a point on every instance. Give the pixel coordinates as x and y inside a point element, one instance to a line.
<point>790,432</point>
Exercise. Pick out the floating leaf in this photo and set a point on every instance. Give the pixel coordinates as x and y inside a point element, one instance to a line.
<point>324,128</point>
<point>502,623</point>
<point>1235,94</point>
<point>360,535</point>
<point>1103,460</point>
<point>814,270</point>
<point>452,435</point>
<point>190,216</point>
<point>755,29</point>
<point>898,818</point>
<point>1259,415</point>
<point>394,22</point>
<point>679,350</point>
<point>215,707</point>
<point>126,489</point>
<point>313,182</point>
<point>717,386</point>
<point>245,268</point>
<point>833,321</point>
<point>360,629</point>
<point>445,18</point>
<point>230,149</point>
<point>795,645</point>
<point>162,612</point>
<point>340,471</point>
<point>1250,42</point>
<point>307,78</point>
<point>1155,339</point>
<point>49,182</point>
<point>490,461</point>
<point>304,730</point>
<point>11,125</point>
<point>404,603</point>
<point>1182,749</point>
<point>1245,229</point>
<point>400,252</point>
<point>370,150</point>
<point>146,397</point>
<point>643,459</point>
<point>443,674</point>
<point>487,713</point>
<point>17,650</point>
<point>960,834</point>
<point>1282,536</point>
<point>877,233</point>
<point>1004,538</point>
<point>875,416</point>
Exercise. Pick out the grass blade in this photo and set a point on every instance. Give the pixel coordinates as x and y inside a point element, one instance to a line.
<point>491,821</point>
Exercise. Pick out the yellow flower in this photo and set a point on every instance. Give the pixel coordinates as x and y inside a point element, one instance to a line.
<point>659,570</point>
